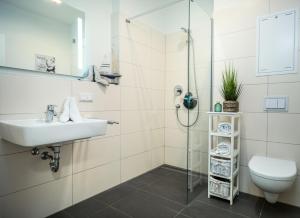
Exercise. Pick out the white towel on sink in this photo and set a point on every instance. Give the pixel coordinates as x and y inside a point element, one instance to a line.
<point>65,115</point>
<point>74,111</point>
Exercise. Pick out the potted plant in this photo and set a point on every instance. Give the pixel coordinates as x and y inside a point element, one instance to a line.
<point>230,90</point>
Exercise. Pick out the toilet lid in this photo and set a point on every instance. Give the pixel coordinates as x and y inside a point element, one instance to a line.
<point>271,168</point>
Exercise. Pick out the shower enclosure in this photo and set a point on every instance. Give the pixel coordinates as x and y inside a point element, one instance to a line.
<point>185,27</point>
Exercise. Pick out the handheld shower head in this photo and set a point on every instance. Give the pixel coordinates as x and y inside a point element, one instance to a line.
<point>184,29</point>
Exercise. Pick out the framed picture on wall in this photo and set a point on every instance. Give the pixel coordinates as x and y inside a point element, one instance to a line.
<point>45,63</point>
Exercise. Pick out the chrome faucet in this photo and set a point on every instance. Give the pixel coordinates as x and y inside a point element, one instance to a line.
<point>50,113</point>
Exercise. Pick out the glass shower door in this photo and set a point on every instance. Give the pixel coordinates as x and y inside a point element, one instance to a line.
<point>199,89</point>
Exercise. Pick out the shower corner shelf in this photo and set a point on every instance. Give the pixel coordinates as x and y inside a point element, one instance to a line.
<point>224,186</point>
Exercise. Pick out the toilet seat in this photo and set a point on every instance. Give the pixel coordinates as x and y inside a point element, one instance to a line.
<point>273,169</point>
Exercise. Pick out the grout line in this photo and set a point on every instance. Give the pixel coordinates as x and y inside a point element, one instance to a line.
<point>34,186</point>
<point>120,211</point>
<point>97,166</point>
<point>235,32</point>
<point>233,58</point>
<point>180,212</point>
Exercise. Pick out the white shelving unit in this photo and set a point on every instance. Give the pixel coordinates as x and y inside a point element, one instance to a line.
<point>226,187</point>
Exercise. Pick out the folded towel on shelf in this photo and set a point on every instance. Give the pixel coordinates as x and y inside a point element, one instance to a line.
<point>65,116</point>
<point>74,111</point>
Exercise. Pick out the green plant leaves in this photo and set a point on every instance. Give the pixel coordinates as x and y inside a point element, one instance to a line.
<point>230,89</point>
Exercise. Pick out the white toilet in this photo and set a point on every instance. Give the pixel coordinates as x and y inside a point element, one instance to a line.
<point>273,176</point>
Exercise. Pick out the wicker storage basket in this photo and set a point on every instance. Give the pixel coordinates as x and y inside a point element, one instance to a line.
<point>221,167</point>
<point>220,188</point>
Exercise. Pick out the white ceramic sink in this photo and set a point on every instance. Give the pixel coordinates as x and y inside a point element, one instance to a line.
<point>31,133</point>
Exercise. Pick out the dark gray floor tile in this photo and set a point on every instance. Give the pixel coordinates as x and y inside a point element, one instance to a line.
<point>244,204</point>
<point>198,209</point>
<point>161,171</point>
<point>173,205</point>
<point>144,180</point>
<point>169,188</point>
<point>144,205</point>
<point>280,210</point>
<point>115,194</point>
<point>110,213</point>
<point>85,208</point>
<point>61,214</point>
<point>172,191</point>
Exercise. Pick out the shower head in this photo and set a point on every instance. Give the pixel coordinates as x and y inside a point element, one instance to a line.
<point>184,29</point>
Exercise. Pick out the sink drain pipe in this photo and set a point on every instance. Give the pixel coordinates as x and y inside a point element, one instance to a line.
<point>54,158</point>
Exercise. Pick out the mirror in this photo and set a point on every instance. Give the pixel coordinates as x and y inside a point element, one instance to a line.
<point>43,36</point>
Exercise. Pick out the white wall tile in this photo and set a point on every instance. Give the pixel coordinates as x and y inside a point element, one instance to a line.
<point>252,98</point>
<point>133,121</point>
<point>38,202</point>
<point>291,196</point>
<point>157,79</point>
<point>22,170</point>
<point>283,127</point>
<point>198,140</point>
<point>176,157</point>
<point>176,77</point>
<point>9,148</point>
<point>135,143</point>
<point>158,41</point>
<point>157,138</point>
<point>238,45</point>
<point>112,130</point>
<point>177,60</point>
<point>135,166</point>
<point>234,16</point>
<point>285,151</point>
<point>95,152</point>
<point>250,148</point>
<point>103,98</point>
<point>157,157</point>
<point>132,75</point>
<point>278,5</point>
<point>135,98</point>
<point>91,182</point>
<point>175,138</point>
<point>157,119</point>
<point>157,60</point>
<point>176,42</point>
<point>246,184</point>
<point>157,99</point>
<point>246,71</point>
<point>254,126</point>
<point>291,90</point>
<point>31,94</point>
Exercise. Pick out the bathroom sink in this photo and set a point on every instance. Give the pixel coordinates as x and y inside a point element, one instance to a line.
<point>32,133</point>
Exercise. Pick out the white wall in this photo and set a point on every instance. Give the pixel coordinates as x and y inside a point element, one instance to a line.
<point>267,134</point>
<point>88,167</point>
<point>27,34</point>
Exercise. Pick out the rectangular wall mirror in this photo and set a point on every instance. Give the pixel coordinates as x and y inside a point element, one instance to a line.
<point>43,36</point>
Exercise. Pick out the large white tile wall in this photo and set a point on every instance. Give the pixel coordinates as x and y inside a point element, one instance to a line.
<point>140,51</point>
<point>27,186</point>
<point>267,134</point>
